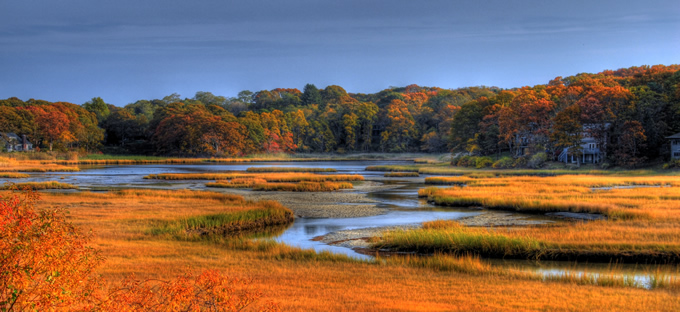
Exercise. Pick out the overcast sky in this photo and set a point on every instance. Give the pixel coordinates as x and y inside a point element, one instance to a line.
<point>127,50</point>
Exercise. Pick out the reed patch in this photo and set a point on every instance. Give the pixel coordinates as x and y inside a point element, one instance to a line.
<point>303,186</point>
<point>289,169</point>
<point>637,197</point>
<point>13,175</point>
<point>449,237</point>
<point>401,174</point>
<point>260,216</point>
<point>48,185</point>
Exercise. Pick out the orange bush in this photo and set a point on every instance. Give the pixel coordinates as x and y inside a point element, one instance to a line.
<point>45,264</point>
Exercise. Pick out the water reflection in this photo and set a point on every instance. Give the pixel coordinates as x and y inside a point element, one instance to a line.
<point>132,175</point>
<point>642,276</point>
<point>302,232</point>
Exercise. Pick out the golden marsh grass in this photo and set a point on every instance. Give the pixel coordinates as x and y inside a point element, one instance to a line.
<point>580,193</point>
<point>47,185</point>
<point>643,214</point>
<point>401,174</point>
<point>13,175</point>
<point>306,281</point>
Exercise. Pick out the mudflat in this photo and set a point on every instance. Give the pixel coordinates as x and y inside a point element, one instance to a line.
<point>338,204</point>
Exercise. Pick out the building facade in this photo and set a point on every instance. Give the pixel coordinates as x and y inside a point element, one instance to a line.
<point>675,145</point>
<point>590,150</point>
<point>14,143</point>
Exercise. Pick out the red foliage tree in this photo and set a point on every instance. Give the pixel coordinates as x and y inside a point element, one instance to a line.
<point>53,124</point>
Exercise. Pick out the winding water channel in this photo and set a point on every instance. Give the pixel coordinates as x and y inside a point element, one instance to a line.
<point>403,207</point>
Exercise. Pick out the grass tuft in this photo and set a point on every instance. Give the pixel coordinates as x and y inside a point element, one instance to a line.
<point>303,187</point>
<point>48,185</point>
<point>401,174</point>
<point>261,215</point>
<point>289,169</point>
<point>13,175</point>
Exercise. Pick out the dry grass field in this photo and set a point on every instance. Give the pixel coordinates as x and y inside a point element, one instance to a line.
<point>301,280</point>
<point>642,212</point>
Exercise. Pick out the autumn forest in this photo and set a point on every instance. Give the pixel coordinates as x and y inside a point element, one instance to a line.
<point>632,109</point>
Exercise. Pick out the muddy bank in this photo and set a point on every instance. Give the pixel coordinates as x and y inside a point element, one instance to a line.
<point>360,238</point>
<point>338,204</point>
<point>504,219</point>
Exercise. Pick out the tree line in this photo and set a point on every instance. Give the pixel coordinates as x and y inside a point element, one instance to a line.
<point>628,112</point>
<point>632,108</point>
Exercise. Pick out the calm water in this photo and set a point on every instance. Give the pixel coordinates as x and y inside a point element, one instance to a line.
<point>641,274</point>
<point>304,230</point>
<point>132,175</point>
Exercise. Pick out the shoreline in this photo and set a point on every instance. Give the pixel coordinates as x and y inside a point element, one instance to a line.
<point>351,203</point>
<point>360,238</point>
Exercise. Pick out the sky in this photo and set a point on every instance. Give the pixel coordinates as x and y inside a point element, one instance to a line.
<point>128,50</point>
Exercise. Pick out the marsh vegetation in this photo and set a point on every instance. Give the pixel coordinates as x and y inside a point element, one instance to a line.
<point>153,232</point>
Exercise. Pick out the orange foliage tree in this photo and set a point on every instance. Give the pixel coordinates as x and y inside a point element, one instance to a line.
<point>400,131</point>
<point>53,124</point>
<point>44,261</point>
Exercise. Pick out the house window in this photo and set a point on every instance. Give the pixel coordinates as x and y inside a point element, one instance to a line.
<point>676,155</point>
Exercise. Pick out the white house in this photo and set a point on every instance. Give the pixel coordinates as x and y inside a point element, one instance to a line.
<point>14,143</point>
<point>675,145</point>
<point>591,151</point>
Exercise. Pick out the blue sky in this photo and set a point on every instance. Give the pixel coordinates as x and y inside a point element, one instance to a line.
<point>125,50</point>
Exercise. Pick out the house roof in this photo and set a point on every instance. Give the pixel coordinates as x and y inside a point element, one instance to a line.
<point>675,136</point>
<point>10,135</point>
<point>589,126</point>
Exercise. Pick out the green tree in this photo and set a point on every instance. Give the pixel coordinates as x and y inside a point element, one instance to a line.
<point>298,126</point>
<point>97,106</point>
<point>208,98</point>
<point>631,142</point>
<point>311,95</point>
<point>651,111</point>
<point>465,125</point>
<point>321,137</point>
<point>123,127</point>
